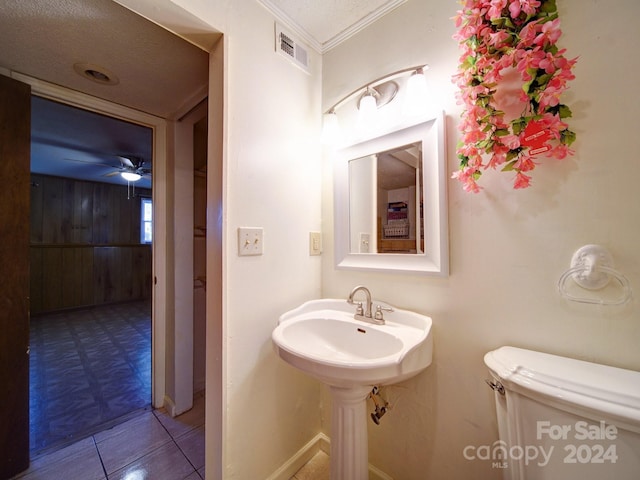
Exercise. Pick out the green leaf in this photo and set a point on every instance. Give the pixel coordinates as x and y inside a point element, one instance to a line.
<point>567,137</point>
<point>468,62</point>
<point>486,144</point>
<point>518,125</point>
<point>543,79</point>
<point>482,101</point>
<point>501,132</point>
<point>547,17</point>
<point>511,154</point>
<point>549,6</point>
<point>564,111</point>
<point>509,166</point>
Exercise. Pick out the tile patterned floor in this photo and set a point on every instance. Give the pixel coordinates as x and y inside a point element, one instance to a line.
<point>90,377</point>
<point>150,446</point>
<point>89,369</point>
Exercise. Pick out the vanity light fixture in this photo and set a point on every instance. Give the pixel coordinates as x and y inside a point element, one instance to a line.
<point>376,94</point>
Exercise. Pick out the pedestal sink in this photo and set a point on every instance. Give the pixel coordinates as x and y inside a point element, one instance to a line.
<point>323,339</point>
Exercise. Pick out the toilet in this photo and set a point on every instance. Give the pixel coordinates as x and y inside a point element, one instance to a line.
<point>561,418</point>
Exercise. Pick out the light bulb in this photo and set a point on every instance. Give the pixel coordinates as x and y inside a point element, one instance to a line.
<point>130,176</point>
<point>330,128</point>
<point>368,110</point>
<point>368,106</point>
<point>416,99</point>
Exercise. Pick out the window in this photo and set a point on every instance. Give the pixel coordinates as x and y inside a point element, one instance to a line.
<point>146,220</point>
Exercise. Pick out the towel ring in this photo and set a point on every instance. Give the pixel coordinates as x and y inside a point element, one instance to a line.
<point>592,269</point>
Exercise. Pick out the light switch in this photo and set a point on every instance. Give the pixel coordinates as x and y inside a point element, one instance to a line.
<point>315,243</point>
<point>365,238</point>
<point>250,241</point>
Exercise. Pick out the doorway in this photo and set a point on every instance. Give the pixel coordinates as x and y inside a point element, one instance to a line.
<point>90,298</point>
<point>160,117</point>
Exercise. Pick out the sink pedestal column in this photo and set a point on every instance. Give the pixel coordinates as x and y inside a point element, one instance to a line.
<point>349,447</point>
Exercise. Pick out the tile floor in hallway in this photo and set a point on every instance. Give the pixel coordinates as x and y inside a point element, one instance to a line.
<point>150,446</point>
<point>90,374</point>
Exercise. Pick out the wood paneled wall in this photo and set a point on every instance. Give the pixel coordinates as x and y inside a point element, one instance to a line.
<point>85,245</point>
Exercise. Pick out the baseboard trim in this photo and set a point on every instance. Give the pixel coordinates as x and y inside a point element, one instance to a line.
<point>169,406</point>
<point>318,443</point>
<point>377,474</point>
<point>302,456</point>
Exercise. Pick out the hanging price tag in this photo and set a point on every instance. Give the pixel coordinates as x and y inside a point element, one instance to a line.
<point>535,136</point>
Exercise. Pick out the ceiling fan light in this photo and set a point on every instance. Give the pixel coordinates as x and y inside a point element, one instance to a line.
<point>130,176</point>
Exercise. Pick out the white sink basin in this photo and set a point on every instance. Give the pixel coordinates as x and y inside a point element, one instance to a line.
<point>323,339</point>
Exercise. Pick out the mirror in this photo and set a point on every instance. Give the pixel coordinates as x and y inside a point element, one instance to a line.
<point>390,202</point>
<point>385,201</point>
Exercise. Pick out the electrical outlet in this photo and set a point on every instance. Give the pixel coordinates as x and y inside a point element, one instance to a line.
<point>250,241</point>
<point>315,243</point>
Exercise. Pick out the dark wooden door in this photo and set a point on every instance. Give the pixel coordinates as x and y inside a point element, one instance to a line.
<point>15,137</point>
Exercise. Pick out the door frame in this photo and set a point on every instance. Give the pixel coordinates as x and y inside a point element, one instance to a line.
<point>160,252</point>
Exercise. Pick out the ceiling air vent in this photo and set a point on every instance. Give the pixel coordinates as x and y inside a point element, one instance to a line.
<point>294,51</point>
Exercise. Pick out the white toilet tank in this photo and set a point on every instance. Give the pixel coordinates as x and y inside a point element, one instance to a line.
<point>564,419</point>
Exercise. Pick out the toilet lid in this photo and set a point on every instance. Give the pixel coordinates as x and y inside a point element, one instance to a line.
<point>601,388</point>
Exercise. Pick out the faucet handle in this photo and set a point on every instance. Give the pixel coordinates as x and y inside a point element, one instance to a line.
<point>359,308</point>
<point>379,309</point>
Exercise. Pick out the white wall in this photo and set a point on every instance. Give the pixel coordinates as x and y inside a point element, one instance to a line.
<point>264,124</point>
<point>508,248</point>
<point>273,174</point>
<point>272,179</point>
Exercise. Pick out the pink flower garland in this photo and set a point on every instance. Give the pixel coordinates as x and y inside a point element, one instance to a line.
<point>497,36</point>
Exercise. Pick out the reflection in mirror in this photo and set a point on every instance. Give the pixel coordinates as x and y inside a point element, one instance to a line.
<point>385,201</point>
<point>390,202</point>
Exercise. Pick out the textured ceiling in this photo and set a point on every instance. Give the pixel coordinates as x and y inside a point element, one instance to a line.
<point>157,72</point>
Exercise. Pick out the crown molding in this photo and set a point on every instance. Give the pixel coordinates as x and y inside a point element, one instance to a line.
<point>323,47</point>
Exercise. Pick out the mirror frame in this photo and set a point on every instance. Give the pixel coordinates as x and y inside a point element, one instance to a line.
<point>435,259</point>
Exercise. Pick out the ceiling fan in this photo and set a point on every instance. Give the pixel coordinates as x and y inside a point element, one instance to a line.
<point>131,169</point>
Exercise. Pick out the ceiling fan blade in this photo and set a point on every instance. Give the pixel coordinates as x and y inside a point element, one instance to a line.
<point>90,163</point>
<point>126,162</point>
<point>112,174</point>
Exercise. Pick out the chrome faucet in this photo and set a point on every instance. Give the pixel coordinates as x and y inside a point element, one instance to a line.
<point>365,313</point>
<point>359,311</point>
